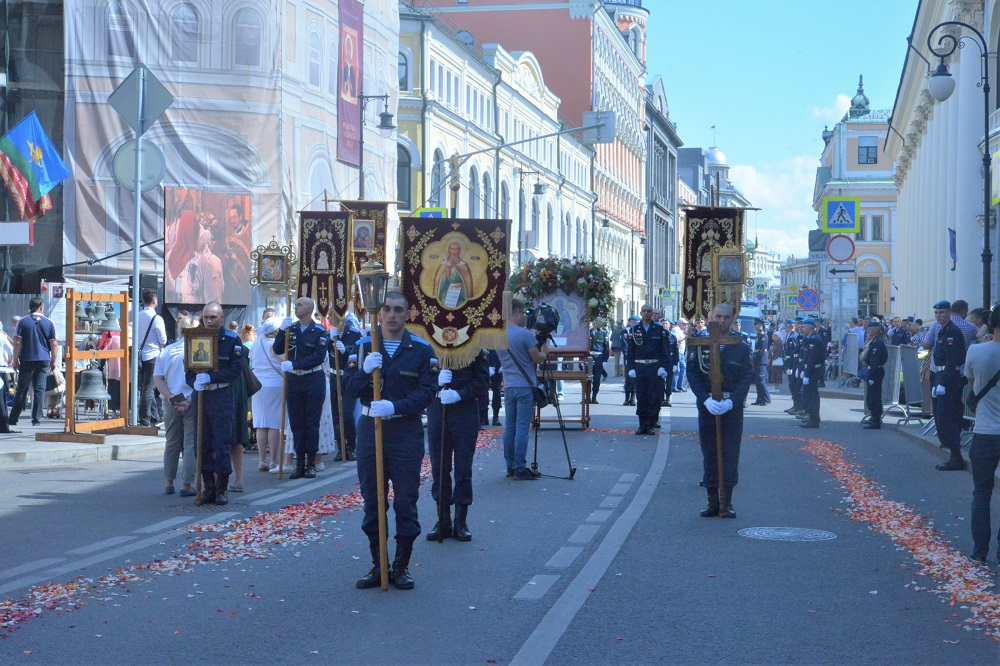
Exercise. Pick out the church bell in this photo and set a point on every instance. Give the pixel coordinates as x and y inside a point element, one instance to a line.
<point>92,386</point>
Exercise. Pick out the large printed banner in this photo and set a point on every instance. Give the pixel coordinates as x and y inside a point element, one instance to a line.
<point>324,269</point>
<point>707,228</point>
<point>454,272</point>
<point>351,75</point>
<point>206,246</point>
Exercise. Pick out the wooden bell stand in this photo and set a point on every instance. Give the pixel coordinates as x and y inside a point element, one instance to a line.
<point>94,432</point>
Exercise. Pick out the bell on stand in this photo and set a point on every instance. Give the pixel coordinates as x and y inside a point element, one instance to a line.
<point>111,323</point>
<point>92,388</point>
<point>88,319</point>
<point>80,314</point>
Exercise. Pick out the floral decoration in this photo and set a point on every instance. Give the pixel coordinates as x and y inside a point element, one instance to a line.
<point>587,279</point>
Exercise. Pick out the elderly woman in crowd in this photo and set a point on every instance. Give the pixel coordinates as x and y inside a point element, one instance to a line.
<point>267,401</point>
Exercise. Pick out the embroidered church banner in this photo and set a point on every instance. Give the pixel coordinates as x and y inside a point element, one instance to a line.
<point>454,272</point>
<point>324,270</point>
<point>369,231</point>
<point>707,228</point>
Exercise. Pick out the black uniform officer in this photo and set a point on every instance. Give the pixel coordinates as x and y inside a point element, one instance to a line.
<point>791,356</point>
<point>496,384</point>
<point>600,351</point>
<point>949,357</point>
<point>217,408</point>
<point>646,361</point>
<point>626,343</point>
<point>737,374</point>
<point>348,338</point>
<point>760,364</point>
<point>307,348</point>
<point>409,383</point>
<point>460,423</point>
<point>874,357</point>
<point>811,367</point>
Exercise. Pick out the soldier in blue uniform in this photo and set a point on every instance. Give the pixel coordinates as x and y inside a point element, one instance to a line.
<point>217,408</point>
<point>600,351</point>
<point>737,375</point>
<point>947,365</point>
<point>626,343</point>
<point>646,361</point>
<point>811,368</point>
<point>496,384</point>
<point>459,390</point>
<point>760,364</point>
<point>791,355</point>
<point>307,348</point>
<point>409,383</point>
<point>345,347</point>
<point>672,354</point>
<point>874,358</point>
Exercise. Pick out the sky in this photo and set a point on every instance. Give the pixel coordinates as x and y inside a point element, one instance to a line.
<point>770,74</point>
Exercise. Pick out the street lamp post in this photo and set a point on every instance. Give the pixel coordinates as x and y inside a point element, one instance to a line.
<point>385,123</point>
<point>941,86</point>
<point>522,204</point>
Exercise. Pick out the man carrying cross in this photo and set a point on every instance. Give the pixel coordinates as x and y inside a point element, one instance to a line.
<point>720,371</point>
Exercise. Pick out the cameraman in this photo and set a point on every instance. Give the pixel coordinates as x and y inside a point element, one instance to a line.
<point>518,362</point>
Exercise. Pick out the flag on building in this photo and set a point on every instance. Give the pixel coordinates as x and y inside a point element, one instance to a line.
<point>30,167</point>
<point>952,249</point>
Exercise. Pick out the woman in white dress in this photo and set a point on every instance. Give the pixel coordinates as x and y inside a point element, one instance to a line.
<point>266,403</point>
<point>327,439</point>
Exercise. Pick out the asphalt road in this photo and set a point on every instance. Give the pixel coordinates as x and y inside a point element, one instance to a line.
<point>613,566</point>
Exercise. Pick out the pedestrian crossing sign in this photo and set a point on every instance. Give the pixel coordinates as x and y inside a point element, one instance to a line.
<point>841,215</point>
<point>791,301</point>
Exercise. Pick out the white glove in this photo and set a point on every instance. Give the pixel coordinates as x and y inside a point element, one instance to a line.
<point>287,323</point>
<point>676,368</point>
<point>339,346</point>
<point>789,372</point>
<point>661,373</point>
<point>631,373</point>
<point>871,382</point>
<point>725,406</point>
<point>201,380</point>
<point>713,406</point>
<point>449,397</point>
<point>805,381</point>
<point>333,332</point>
<point>372,361</point>
<point>940,390</point>
<point>934,391</point>
<point>444,378</point>
<point>286,366</point>
<point>381,408</point>
<point>493,371</point>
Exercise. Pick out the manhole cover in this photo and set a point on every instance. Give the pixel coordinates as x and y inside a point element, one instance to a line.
<point>786,534</point>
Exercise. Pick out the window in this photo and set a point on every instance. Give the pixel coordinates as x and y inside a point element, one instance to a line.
<point>868,150</point>
<point>433,85</point>
<point>504,202</point>
<point>315,57</point>
<point>184,34</point>
<point>121,31</point>
<point>403,166</point>
<point>550,240</point>
<point>333,70</point>
<point>868,296</point>
<point>487,196</point>
<point>246,39</point>
<point>403,71</point>
<point>877,228</point>
<point>861,231</point>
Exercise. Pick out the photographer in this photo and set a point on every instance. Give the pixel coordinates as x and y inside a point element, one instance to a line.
<point>518,362</point>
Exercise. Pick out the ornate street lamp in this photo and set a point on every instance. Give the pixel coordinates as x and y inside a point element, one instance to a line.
<point>385,125</point>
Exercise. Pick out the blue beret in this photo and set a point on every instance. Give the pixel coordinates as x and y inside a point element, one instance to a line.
<point>874,323</point>
<point>668,321</point>
<point>809,322</point>
<point>789,321</point>
<point>634,318</point>
<point>799,320</point>
<point>942,305</point>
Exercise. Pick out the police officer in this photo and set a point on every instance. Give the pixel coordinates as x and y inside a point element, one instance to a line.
<point>459,421</point>
<point>791,356</point>
<point>344,345</point>
<point>760,364</point>
<point>811,366</point>
<point>496,384</point>
<point>626,343</point>
<point>307,347</point>
<point>948,359</point>
<point>646,361</point>
<point>737,374</point>
<point>217,407</point>
<point>874,358</point>
<point>408,387</point>
<point>600,352</point>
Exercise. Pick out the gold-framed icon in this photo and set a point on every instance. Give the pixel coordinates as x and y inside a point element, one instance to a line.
<point>273,266</point>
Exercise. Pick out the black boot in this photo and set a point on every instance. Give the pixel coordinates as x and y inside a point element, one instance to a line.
<point>221,498</point>
<point>631,399</point>
<point>484,418</point>
<point>310,470</point>
<point>441,527</point>
<point>809,422</point>
<point>208,492</point>
<point>726,509</point>
<point>462,532</point>
<point>593,399</point>
<point>873,425</point>
<point>300,467</point>
<point>712,509</point>
<point>628,399</point>
<point>400,574</point>
<point>374,577</point>
<point>642,427</point>
<point>955,464</point>
<point>496,418</point>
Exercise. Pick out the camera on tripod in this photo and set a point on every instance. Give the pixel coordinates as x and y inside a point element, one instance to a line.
<point>544,319</point>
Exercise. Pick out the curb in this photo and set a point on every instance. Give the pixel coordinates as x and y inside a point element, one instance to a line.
<point>933,447</point>
<point>80,454</point>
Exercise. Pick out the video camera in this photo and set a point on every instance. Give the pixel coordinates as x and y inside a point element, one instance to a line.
<point>544,320</point>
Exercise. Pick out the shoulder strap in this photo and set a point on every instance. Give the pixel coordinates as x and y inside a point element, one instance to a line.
<point>986,389</point>
<point>148,329</point>
<point>523,372</point>
<point>38,325</point>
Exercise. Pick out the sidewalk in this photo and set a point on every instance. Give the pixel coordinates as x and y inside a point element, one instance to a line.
<point>21,450</point>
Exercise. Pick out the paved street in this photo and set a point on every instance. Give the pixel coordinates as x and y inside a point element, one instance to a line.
<point>614,566</point>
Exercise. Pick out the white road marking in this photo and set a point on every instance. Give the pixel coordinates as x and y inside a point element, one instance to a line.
<point>610,502</point>
<point>162,525</point>
<point>584,533</point>
<point>305,487</point>
<point>30,566</point>
<point>536,587</point>
<point>564,557</point>
<point>100,545</point>
<point>620,489</point>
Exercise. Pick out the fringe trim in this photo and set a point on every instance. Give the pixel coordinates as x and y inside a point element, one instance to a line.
<point>451,358</point>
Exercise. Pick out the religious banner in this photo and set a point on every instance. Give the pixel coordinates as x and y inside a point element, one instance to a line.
<point>324,269</point>
<point>350,75</point>
<point>709,230</point>
<point>454,273</point>
<point>369,230</point>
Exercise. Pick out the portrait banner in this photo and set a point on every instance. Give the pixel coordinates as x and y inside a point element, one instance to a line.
<point>324,270</point>
<point>369,231</point>
<point>573,333</point>
<point>350,75</point>
<point>454,273</point>
<point>707,228</point>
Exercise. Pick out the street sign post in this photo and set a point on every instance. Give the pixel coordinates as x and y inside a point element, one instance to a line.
<point>843,273</point>
<point>808,299</point>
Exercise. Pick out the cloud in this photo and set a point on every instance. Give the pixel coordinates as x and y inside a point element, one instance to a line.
<point>783,191</point>
<point>833,114</point>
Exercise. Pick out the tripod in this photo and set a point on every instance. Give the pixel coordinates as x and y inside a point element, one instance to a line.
<point>549,380</point>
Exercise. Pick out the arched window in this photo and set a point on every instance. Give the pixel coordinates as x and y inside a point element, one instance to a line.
<point>121,30</point>
<point>522,211</point>
<point>403,165</point>
<point>436,195</point>
<point>504,202</point>
<point>184,34</point>
<point>487,196</point>
<point>315,58</point>
<point>403,71</point>
<point>320,179</point>
<point>246,39</point>
<point>551,223</point>
<point>473,193</point>
<point>332,73</point>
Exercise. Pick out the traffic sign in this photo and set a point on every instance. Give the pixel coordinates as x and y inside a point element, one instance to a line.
<point>791,301</point>
<point>794,288</point>
<point>808,299</point>
<point>843,272</point>
<point>840,248</point>
<point>153,165</point>
<point>431,212</point>
<point>155,99</point>
<point>841,214</point>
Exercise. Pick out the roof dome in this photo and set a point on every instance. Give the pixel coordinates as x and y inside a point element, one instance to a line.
<point>860,106</point>
<point>715,156</point>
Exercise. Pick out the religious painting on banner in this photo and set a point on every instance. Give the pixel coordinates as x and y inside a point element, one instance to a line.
<point>573,333</point>
<point>709,230</point>
<point>350,74</point>
<point>454,272</point>
<point>324,269</point>
<point>368,231</point>
<point>207,243</point>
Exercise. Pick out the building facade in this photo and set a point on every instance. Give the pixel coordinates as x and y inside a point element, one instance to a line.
<point>662,245</point>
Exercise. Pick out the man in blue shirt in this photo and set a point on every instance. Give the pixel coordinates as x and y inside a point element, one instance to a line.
<point>34,357</point>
